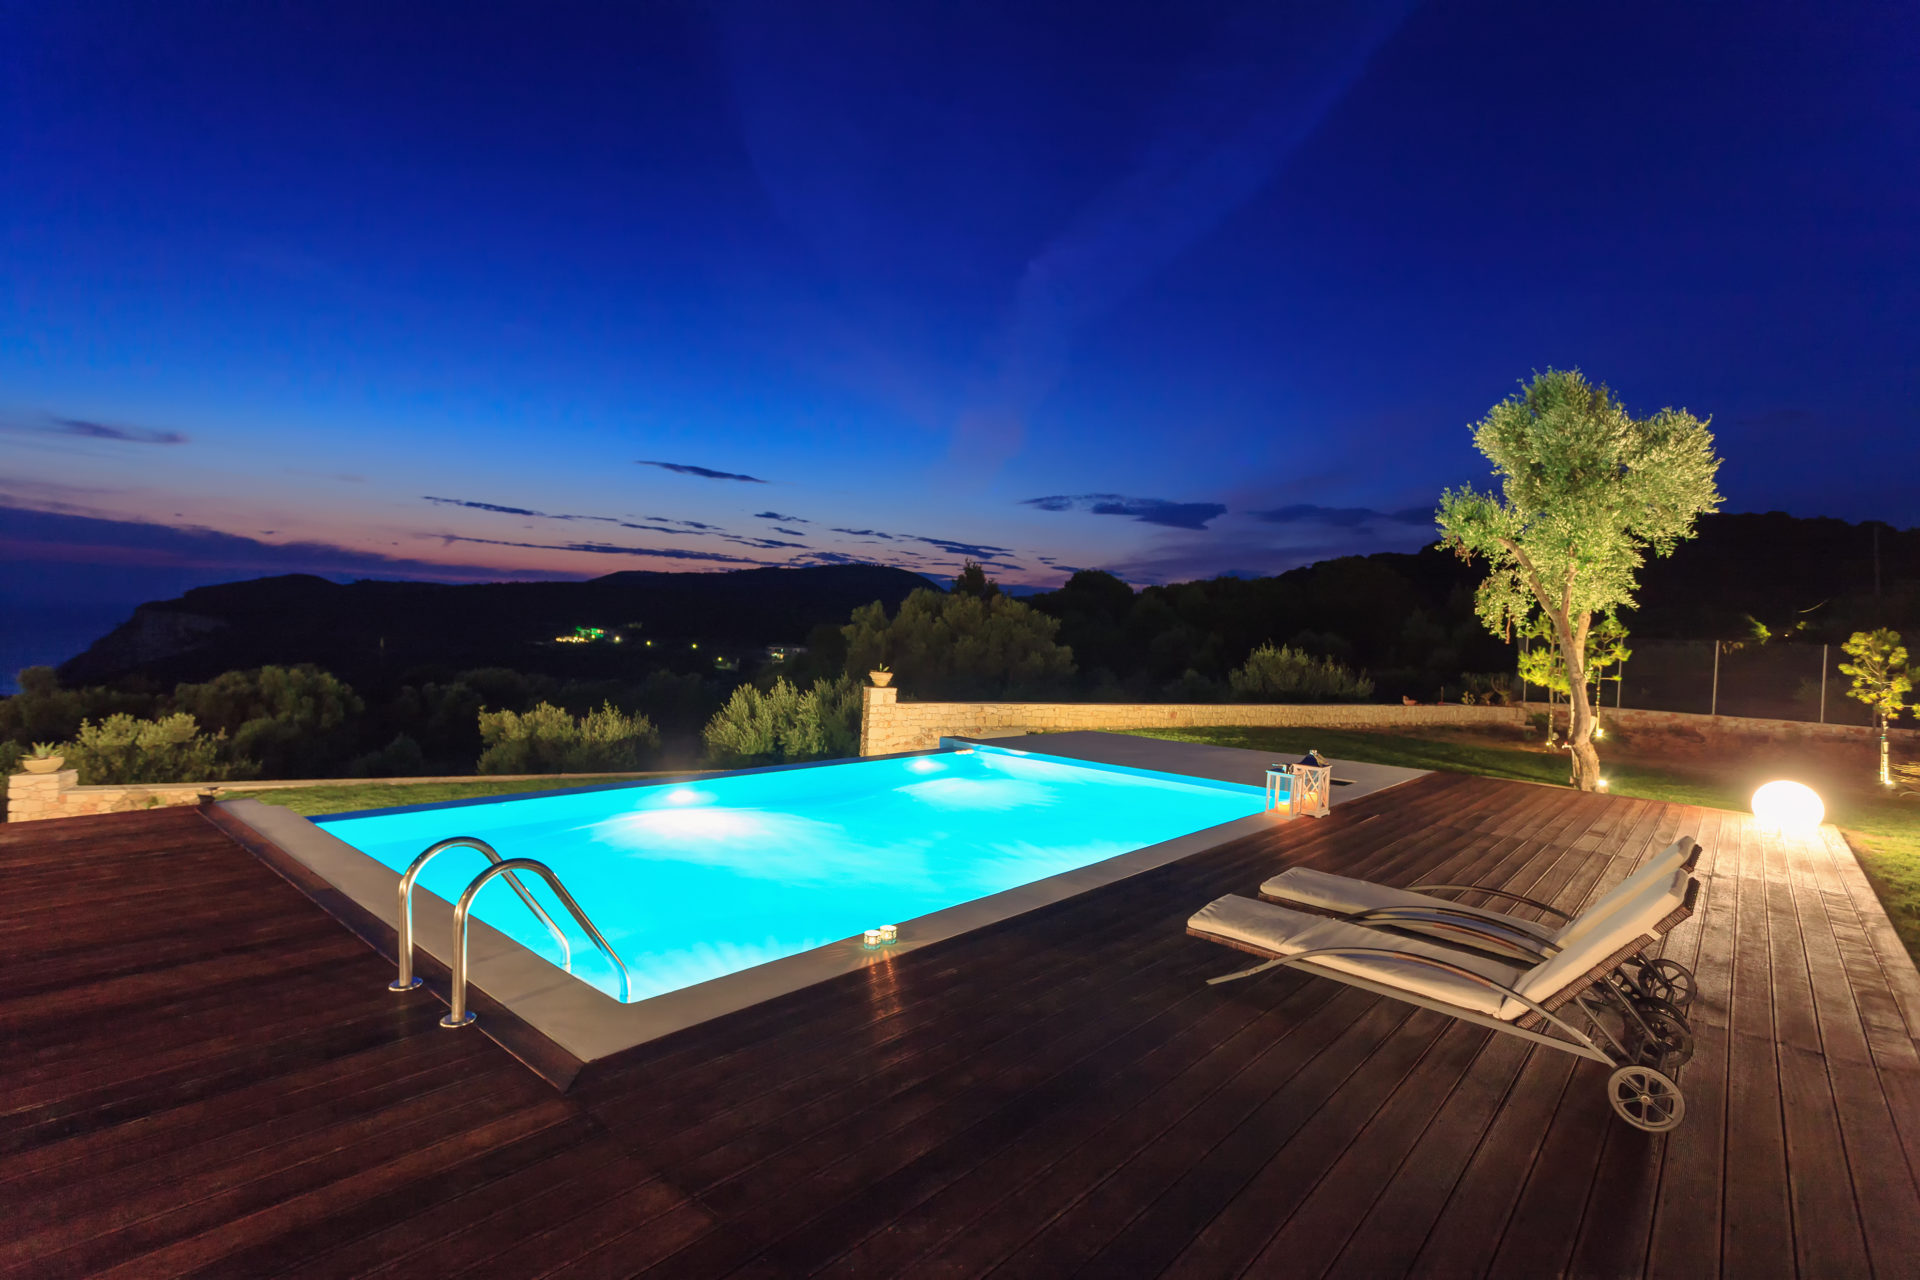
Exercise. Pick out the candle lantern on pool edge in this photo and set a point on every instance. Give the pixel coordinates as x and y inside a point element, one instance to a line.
<point>1303,787</point>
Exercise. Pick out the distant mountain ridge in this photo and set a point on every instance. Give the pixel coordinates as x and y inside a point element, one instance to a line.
<point>362,630</point>
<point>1835,576</point>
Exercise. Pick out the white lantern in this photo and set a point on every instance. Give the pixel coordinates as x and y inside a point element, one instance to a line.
<point>1791,808</point>
<point>1306,787</point>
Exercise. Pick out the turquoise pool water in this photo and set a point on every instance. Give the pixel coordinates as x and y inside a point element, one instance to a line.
<point>696,880</point>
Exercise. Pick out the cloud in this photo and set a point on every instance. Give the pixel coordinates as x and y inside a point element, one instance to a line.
<point>652,524</point>
<point>775,515</point>
<point>490,506</point>
<point>685,524</point>
<point>93,543</point>
<point>983,552</point>
<point>86,429</point>
<point>973,550</point>
<point>1342,517</point>
<point>705,473</point>
<point>107,431</point>
<point>765,543</point>
<point>791,533</point>
<point>1224,125</point>
<point>1160,511</point>
<point>609,549</point>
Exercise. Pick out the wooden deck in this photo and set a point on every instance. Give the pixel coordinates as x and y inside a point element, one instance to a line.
<point>205,1075</point>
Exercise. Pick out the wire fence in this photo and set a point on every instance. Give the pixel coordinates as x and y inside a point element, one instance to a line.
<point>1734,678</point>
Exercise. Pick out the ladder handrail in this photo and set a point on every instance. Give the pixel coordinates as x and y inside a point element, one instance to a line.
<point>458,1015</point>
<point>406,981</point>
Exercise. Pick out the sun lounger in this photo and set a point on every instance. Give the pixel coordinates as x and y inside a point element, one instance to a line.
<point>1644,1041</point>
<point>1521,941</point>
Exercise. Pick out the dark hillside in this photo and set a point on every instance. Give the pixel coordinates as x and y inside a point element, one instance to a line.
<point>369,631</point>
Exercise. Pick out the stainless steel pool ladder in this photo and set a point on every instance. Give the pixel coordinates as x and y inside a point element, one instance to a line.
<point>458,1015</point>
<point>406,981</point>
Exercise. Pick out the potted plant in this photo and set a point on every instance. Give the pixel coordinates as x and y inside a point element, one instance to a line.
<point>45,757</point>
<point>882,676</point>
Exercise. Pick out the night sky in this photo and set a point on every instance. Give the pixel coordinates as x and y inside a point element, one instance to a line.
<point>481,290</point>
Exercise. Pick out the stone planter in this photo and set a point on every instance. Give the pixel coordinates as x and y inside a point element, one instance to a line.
<point>49,764</point>
<point>881,679</point>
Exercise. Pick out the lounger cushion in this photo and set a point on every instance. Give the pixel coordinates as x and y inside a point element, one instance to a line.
<point>1396,961</point>
<point>1608,930</point>
<point>1346,896</point>
<point>1661,866</point>
<point>1283,931</point>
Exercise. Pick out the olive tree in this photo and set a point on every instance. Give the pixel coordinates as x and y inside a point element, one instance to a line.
<point>1880,679</point>
<point>1586,490</point>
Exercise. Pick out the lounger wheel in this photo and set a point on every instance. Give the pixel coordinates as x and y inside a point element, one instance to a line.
<point>1646,1098</point>
<point>1667,980</point>
<point>1665,1042</point>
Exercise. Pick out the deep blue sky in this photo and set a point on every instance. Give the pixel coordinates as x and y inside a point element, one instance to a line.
<point>1167,289</point>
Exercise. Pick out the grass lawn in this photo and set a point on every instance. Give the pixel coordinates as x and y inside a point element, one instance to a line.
<point>1884,833</point>
<point>346,797</point>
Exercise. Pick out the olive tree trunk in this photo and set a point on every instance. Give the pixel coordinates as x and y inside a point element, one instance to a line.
<point>1572,636</point>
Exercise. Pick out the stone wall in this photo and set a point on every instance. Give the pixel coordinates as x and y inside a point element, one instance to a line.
<point>32,797</point>
<point>888,725</point>
<point>1735,728</point>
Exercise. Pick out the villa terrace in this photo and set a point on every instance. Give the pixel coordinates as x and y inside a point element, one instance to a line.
<point>206,1074</point>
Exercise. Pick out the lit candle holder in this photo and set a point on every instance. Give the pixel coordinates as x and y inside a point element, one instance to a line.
<point>870,939</point>
<point>889,933</point>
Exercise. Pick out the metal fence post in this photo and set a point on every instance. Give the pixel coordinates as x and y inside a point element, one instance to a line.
<point>1823,684</point>
<point>1713,706</point>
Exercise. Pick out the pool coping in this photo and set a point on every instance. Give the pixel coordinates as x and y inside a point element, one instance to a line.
<point>557,1023</point>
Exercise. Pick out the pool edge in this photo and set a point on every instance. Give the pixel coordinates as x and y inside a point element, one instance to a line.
<point>556,1023</point>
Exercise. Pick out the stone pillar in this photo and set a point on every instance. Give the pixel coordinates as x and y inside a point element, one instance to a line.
<point>876,709</point>
<point>33,796</point>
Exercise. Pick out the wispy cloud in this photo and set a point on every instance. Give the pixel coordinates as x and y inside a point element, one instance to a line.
<point>644,524</point>
<point>791,533</point>
<point>608,549</point>
<point>1342,517</point>
<point>1160,511</point>
<point>92,543</point>
<point>1224,125</point>
<point>493,507</point>
<point>705,473</point>
<point>783,519</point>
<point>684,524</point>
<point>88,429</point>
<point>983,552</point>
<point>763,543</point>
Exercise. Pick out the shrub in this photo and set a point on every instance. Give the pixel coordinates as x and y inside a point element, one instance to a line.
<point>401,758</point>
<point>122,749</point>
<point>944,645</point>
<point>1287,674</point>
<point>1494,690</point>
<point>782,724</point>
<point>296,721</point>
<point>548,740</point>
<point>45,711</point>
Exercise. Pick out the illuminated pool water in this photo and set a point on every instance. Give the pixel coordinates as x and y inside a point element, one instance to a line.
<point>693,881</point>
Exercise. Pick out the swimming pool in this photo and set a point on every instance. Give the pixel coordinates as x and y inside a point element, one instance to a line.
<point>698,880</point>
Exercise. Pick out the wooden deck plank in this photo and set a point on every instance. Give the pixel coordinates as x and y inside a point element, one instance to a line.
<point>211,1079</point>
